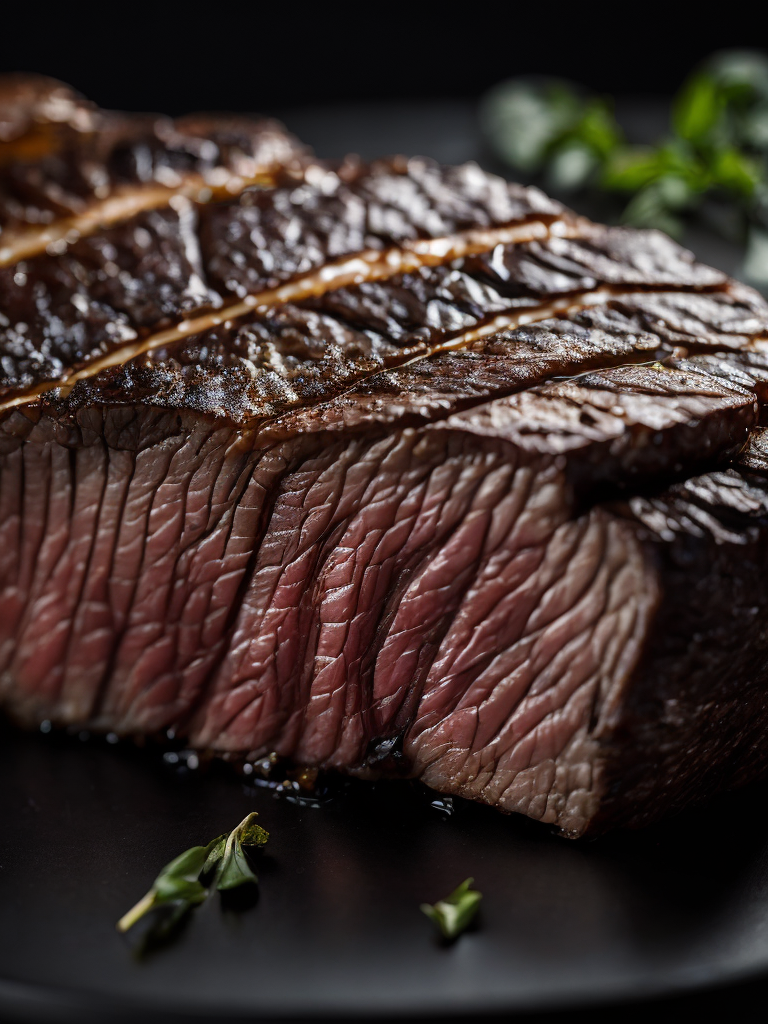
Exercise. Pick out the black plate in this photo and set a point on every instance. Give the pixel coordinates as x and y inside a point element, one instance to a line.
<point>337,928</point>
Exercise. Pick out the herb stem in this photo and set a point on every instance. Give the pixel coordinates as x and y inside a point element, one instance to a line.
<point>136,912</point>
<point>188,879</point>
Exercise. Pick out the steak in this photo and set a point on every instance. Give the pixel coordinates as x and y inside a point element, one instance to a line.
<point>389,468</point>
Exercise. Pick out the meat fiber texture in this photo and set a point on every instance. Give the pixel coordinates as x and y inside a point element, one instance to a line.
<point>387,469</point>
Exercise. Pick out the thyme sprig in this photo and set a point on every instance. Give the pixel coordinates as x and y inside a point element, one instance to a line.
<point>713,161</point>
<point>454,913</point>
<point>188,880</point>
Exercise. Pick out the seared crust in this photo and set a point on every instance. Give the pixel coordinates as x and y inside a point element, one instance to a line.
<point>329,460</point>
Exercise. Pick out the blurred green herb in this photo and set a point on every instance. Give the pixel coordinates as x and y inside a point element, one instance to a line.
<point>189,878</point>
<point>228,859</point>
<point>550,126</point>
<point>456,911</point>
<point>716,152</point>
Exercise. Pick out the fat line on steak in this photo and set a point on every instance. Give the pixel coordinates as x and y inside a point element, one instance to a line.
<point>568,306</point>
<point>122,204</point>
<point>372,265</point>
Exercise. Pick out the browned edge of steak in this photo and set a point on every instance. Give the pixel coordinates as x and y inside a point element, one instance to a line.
<point>378,506</point>
<point>691,722</point>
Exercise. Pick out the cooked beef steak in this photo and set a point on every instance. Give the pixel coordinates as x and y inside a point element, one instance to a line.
<point>336,461</point>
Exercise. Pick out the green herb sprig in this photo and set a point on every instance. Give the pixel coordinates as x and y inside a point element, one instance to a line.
<point>454,913</point>
<point>188,880</point>
<point>713,161</point>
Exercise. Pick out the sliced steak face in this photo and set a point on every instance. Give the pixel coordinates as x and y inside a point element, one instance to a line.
<point>312,591</point>
<point>384,468</point>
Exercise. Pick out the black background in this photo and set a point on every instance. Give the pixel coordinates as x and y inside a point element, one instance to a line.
<point>176,58</point>
<point>223,55</point>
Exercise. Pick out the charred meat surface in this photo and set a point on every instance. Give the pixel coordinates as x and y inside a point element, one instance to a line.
<point>325,459</point>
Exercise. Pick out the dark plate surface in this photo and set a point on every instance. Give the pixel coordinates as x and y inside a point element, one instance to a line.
<point>337,929</point>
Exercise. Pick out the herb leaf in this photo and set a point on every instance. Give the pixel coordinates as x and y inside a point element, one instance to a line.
<point>715,155</point>
<point>537,124</point>
<point>188,879</point>
<point>230,858</point>
<point>735,170</point>
<point>524,118</point>
<point>697,108</point>
<point>456,911</point>
<point>178,883</point>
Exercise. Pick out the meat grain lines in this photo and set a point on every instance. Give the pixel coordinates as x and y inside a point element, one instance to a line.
<point>385,468</point>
